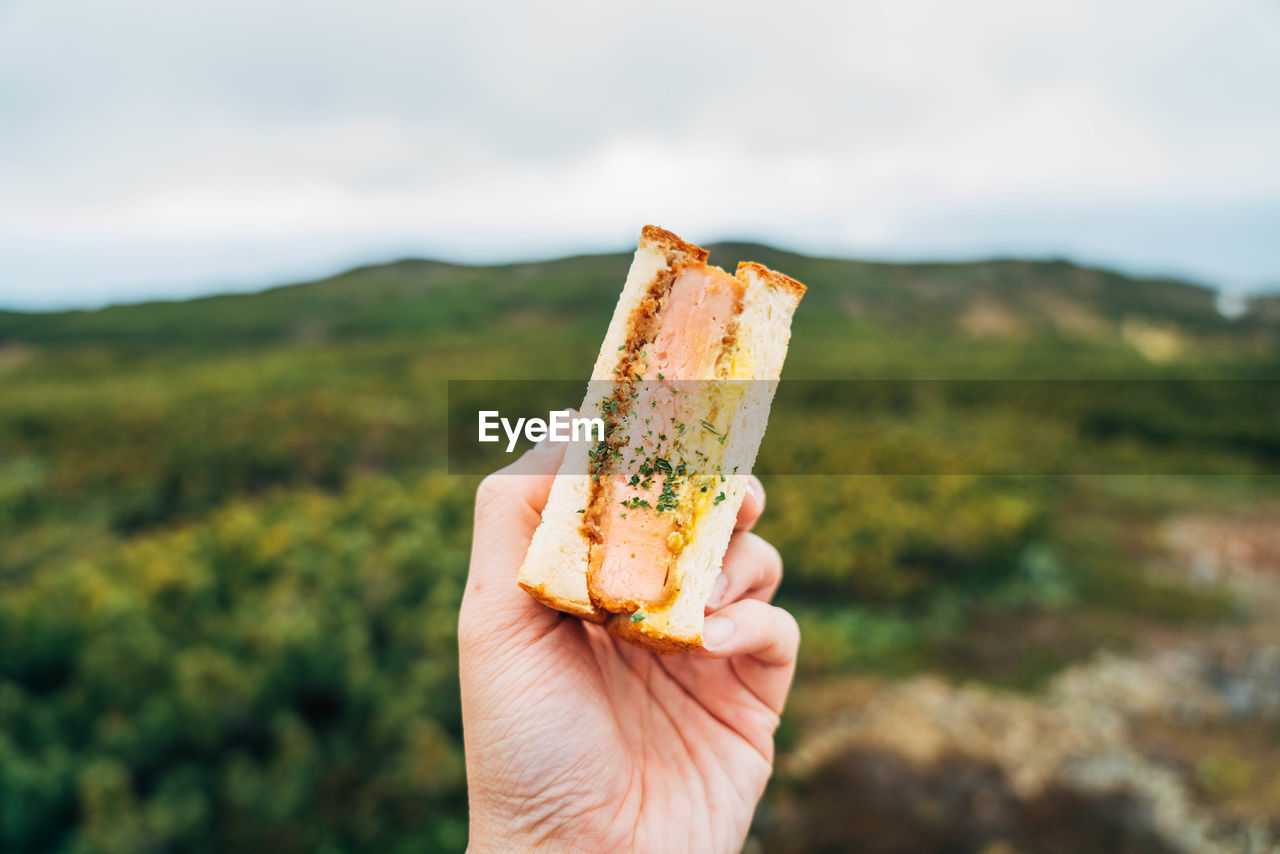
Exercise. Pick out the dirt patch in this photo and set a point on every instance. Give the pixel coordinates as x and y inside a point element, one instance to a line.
<point>14,356</point>
<point>1243,549</point>
<point>985,767</point>
<point>984,317</point>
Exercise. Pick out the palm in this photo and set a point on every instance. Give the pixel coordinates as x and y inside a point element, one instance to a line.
<point>643,734</point>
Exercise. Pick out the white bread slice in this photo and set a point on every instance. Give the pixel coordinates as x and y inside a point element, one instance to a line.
<point>556,567</point>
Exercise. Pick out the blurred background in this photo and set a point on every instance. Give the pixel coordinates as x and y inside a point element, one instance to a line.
<point>230,551</point>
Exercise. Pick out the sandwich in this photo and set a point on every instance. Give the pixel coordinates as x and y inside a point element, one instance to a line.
<point>637,524</point>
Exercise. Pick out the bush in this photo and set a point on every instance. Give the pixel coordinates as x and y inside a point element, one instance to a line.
<point>279,677</point>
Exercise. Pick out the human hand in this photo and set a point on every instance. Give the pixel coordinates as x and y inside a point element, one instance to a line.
<point>578,741</point>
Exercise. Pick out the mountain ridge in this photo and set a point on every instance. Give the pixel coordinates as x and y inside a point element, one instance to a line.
<point>993,297</point>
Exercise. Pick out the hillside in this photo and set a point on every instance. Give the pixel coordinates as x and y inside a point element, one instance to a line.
<point>997,298</point>
<point>231,557</point>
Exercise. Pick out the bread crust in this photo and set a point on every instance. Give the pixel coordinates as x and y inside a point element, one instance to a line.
<point>772,278</point>
<point>672,243</point>
<point>650,636</point>
<point>569,606</point>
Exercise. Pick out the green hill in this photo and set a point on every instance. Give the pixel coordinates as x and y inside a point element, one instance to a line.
<point>421,297</point>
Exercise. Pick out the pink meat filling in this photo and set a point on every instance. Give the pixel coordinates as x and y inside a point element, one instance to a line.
<point>697,317</point>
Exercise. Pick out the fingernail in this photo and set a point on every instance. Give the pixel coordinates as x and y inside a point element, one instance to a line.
<point>717,590</point>
<point>756,488</point>
<point>716,632</point>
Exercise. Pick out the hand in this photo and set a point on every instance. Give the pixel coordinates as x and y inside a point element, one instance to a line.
<point>578,741</point>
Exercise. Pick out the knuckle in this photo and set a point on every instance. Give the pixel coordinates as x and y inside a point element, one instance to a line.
<point>788,627</point>
<point>471,632</point>
<point>490,491</point>
<point>490,485</point>
<point>775,556</point>
<point>768,554</point>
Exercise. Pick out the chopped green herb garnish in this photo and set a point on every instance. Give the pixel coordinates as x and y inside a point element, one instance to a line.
<point>667,499</point>
<point>637,617</point>
<point>719,498</point>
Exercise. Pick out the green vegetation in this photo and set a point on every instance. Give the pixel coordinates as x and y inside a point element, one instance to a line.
<point>231,558</point>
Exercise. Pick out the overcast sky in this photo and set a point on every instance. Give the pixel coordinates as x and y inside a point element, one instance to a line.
<point>160,148</point>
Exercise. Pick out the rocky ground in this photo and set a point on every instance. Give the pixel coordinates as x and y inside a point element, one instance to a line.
<point>1173,746</point>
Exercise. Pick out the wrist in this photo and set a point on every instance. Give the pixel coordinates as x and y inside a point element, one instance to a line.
<point>489,841</point>
<point>489,837</point>
<point>504,830</point>
<point>495,828</point>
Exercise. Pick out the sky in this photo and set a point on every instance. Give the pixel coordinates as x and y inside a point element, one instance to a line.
<point>158,149</point>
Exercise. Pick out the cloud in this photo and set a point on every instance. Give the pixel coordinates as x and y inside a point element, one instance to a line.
<point>158,148</point>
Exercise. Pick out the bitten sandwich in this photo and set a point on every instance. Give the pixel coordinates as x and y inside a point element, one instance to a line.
<point>636,525</point>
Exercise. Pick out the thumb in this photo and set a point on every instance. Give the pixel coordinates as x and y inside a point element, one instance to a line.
<point>509,506</point>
